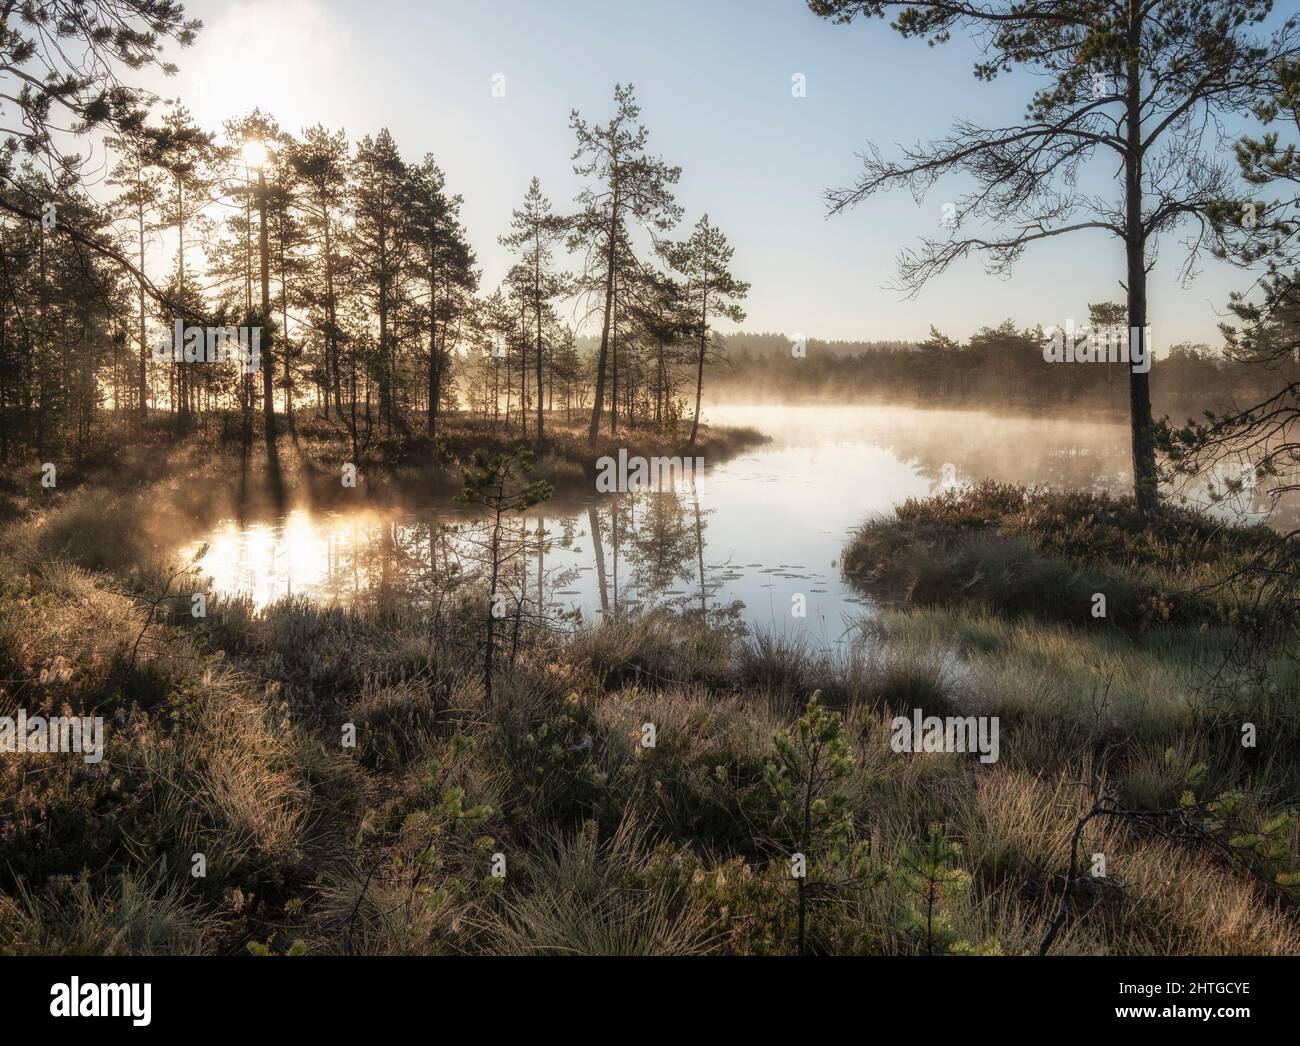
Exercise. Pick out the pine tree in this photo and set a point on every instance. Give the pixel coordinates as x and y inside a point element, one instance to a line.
<point>806,776</point>
<point>704,260</point>
<point>628,185</point>
<point>445,260</point>
<point>188,155</point>
<point>536,231</point>
<point>138,203</point>
<point>320,164</point>
<point>498,483</point>
<point>379,240</point>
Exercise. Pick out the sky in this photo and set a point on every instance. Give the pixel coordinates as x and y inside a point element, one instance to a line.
<point>714,80</point>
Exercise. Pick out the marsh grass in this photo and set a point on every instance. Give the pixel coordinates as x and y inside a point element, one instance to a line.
<point>225,740</point>
<point>1046,554</point>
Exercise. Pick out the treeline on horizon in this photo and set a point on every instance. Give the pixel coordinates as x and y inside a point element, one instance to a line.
<point>354,262</point>
<point>996,368</point>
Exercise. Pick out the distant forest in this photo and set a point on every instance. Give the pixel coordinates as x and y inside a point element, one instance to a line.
<point>998,368</point>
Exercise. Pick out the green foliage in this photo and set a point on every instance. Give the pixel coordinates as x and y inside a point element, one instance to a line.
<point>261,948</point>
<point>552,757</point>
<point>495,482</point>
<point>1267,840</point>
<point>806,781</point>
<point>746,907</point>
<point>936,885</point>
<point>804,776</point>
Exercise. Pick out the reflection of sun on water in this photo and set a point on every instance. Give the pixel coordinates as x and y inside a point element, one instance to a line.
<point>299,555</point>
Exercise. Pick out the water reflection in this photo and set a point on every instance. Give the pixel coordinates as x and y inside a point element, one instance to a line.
<point>747,541</point>
<point>625,552</point>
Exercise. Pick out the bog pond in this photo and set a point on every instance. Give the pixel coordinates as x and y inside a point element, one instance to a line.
<point>747,539</point>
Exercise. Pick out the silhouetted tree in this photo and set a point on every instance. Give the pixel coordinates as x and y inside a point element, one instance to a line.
<point>446,261</point>
<point>704,260</point>
<point>1149,82</point>
<point>628,184</point>
<point>535,232</point>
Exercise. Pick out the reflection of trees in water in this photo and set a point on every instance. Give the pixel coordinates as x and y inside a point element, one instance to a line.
<point>548,535</point>
<point>648,549</point>
<point>662,546</point>
<point>651,544</point>
<point>415,562</point>
<point>526,580</point>
<point>380,562</point>
<point>598,551</point>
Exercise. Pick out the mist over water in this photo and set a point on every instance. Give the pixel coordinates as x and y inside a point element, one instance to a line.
<point>757,531</point>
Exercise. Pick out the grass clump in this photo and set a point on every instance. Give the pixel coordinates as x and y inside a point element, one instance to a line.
<point>1051,554</point>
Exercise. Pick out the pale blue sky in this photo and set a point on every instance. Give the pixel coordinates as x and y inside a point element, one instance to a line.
<point>713,78</point>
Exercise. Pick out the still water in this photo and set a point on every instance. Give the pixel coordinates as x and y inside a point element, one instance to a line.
<point>756,532</point>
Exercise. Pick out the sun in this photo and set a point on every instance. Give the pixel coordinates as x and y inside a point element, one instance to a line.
<point>254,153</point>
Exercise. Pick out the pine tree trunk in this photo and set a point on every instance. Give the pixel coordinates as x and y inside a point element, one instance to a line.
<point>434,391</point>
<point>699,373</point>
<point>537,305</point>
<point>144,379</point>
<point>601,361</point>
<point>1143,438</point>
<point>268,375</point>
